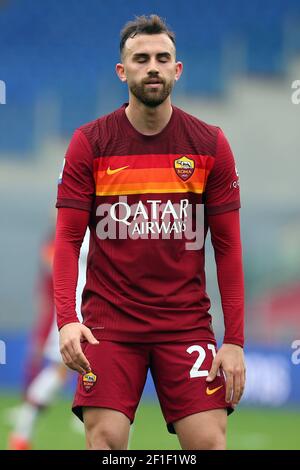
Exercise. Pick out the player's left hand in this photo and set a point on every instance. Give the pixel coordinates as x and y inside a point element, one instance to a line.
<point>230,358</point>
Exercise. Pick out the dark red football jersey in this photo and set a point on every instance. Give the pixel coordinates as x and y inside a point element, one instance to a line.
<point>143,194</point>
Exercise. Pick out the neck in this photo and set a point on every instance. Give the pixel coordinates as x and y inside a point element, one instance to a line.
<point>146,120</point>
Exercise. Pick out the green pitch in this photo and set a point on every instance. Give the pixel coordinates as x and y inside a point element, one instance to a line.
<point>247,428</point>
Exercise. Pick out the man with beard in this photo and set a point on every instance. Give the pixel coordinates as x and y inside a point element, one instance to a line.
<point>145,304</point>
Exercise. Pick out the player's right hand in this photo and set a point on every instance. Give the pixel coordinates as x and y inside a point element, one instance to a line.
<point>70,337</point>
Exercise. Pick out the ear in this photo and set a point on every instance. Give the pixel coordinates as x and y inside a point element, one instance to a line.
<point>121,72</point>
<point>179,69</point>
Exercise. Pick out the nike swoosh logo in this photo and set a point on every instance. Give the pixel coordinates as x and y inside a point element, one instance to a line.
<point>213,390</point>
<point>112,172</point>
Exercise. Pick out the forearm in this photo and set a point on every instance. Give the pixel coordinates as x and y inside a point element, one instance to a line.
<point>225,234</point>
<point>70,230</point>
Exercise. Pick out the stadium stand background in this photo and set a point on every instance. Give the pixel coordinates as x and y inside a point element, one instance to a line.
<point>240,59</point>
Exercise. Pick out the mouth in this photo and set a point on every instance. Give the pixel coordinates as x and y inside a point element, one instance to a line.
<point>154,81</point>
<point>153,84</point>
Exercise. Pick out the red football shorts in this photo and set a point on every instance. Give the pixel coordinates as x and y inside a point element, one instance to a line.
<point>179,371</point>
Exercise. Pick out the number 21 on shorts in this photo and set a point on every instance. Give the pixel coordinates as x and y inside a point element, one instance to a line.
<point>195,370</point>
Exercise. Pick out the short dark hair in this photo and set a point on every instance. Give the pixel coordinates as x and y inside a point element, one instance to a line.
<point>152,24</point>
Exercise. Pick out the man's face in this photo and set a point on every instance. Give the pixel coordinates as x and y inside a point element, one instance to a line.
<point>149,67</point>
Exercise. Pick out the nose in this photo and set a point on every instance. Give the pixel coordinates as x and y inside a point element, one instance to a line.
<point>153,67</point>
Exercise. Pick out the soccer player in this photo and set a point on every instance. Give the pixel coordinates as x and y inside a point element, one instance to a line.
<point>141,178</point>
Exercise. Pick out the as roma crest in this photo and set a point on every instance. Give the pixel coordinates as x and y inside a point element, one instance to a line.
<point>184,167</point>
<point>89,381</point>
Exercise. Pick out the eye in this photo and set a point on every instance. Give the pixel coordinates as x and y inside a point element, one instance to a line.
<point>164,58</point>
<point>140,60</point>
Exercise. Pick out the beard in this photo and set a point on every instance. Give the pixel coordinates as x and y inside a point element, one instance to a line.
<point>151,97</point>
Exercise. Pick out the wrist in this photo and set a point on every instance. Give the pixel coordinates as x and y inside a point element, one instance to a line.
<point>234,343</point>
<point>65,322</point>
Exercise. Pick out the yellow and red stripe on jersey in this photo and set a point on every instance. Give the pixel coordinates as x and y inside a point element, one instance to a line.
<point>151,173</point>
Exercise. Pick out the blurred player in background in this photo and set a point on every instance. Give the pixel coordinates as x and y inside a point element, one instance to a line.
<point>145,304</point>
<point>44,307</point>
<point>45,373</point>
